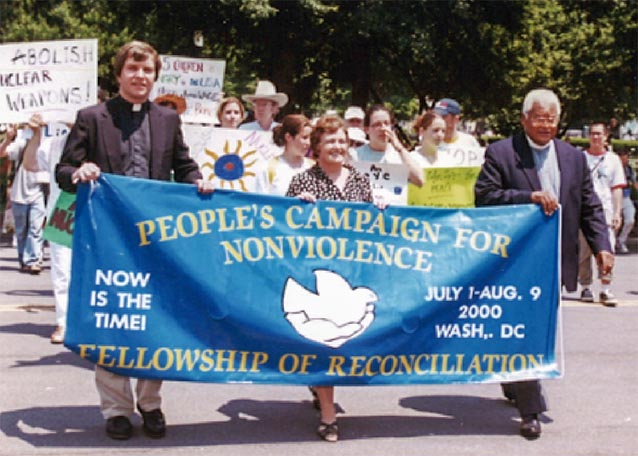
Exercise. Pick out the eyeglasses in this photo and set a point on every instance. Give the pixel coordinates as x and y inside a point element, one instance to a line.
<point>538,120</point>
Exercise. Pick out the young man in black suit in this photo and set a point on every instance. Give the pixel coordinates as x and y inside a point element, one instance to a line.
<point>128,135</point>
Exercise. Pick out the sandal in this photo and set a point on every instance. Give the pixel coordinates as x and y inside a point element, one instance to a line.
<point>328,431</point>
<point>315,399</point>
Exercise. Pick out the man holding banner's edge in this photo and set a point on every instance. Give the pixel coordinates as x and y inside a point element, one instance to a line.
<point>534,167</point>
<point>129,135</point>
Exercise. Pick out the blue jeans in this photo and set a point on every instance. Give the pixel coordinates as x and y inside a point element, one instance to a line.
<point>28,219</point>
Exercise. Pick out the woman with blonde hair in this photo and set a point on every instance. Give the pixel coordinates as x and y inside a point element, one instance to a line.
<point>230,113</point>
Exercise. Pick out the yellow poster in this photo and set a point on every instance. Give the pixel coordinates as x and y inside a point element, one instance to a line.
<point>445,187</point>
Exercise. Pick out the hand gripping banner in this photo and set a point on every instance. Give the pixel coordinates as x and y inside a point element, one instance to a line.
<point>239,287</point>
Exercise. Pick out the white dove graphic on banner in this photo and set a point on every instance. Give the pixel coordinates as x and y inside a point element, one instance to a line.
<point>332,315</point>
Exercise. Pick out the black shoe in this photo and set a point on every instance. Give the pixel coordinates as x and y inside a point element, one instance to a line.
<point>119,428</point>
<point>530,427</point>
<point>328,431</point>
<point>154,423</point>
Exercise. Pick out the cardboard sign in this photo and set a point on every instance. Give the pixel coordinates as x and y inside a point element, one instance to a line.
<point>54,78</point>
<point>389,181</point>
<point>198,81</point>
<point>232,159</point>
<point>445,187</point>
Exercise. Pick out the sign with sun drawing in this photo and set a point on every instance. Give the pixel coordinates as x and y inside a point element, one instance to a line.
<point>232,159</point>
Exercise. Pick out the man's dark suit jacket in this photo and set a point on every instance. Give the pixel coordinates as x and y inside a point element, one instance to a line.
<point>509,176</point>
<point>95,138</point>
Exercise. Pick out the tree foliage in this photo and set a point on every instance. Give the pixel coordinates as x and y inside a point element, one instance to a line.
<point>326,53</point>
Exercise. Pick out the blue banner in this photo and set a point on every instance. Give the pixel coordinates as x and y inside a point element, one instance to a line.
<point>171,284</point>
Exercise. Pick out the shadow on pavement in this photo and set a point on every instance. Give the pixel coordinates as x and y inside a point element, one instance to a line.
<point>253,421</point>
<point>28,328</point>
<point>476,410</point>
<point>24,293</point>
<point>65,358</point>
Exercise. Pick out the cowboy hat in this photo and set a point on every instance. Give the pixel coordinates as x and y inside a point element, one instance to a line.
<point>266,91</point>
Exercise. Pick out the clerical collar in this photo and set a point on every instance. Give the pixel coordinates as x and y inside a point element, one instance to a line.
<point>533,145</point>
<point>133,107</point>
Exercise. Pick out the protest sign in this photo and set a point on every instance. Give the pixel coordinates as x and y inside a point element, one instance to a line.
<point>59,224</point>
<point>445,187</point>
<point>54,78</point>
<point>389,181</point>
<point>241,287</point>
<point>232,159</point>
<point>199,82</point>
<point>459,155</point>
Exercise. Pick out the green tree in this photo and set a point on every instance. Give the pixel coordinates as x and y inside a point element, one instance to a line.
<point>575,49</point>
<point>326,54</point>
<point>31,20</point>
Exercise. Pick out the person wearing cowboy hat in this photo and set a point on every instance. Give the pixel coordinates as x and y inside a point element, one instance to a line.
<point>266,102</point>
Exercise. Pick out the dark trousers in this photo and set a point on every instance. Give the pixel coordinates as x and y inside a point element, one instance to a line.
<point>528,396</point>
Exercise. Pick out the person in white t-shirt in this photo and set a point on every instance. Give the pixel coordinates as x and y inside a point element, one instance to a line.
<point>28,195</point>
<point>608,179</point>
<point>294,136</point>
<point>463,149</point>
<point>431,129</point>
<point>384,145</point>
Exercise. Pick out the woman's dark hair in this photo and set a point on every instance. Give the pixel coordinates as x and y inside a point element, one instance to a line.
<point>425,120</point>
<point>374,108</point>
<point>292,124</point>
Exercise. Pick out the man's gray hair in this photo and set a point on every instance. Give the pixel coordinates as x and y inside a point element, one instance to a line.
<point>544,97</point>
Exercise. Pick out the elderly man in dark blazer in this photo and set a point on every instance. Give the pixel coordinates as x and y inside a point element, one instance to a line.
<point>130,136</point>
<point>533,167</point>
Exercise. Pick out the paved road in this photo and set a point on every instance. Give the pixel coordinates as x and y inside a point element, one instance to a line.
<point>48,402</point>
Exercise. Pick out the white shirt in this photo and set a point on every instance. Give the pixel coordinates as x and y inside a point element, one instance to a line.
<point>26,187</point>
<point>280,173</point>
<point>606,173</point>
<point>443,160</point>
<point>463,151</point>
